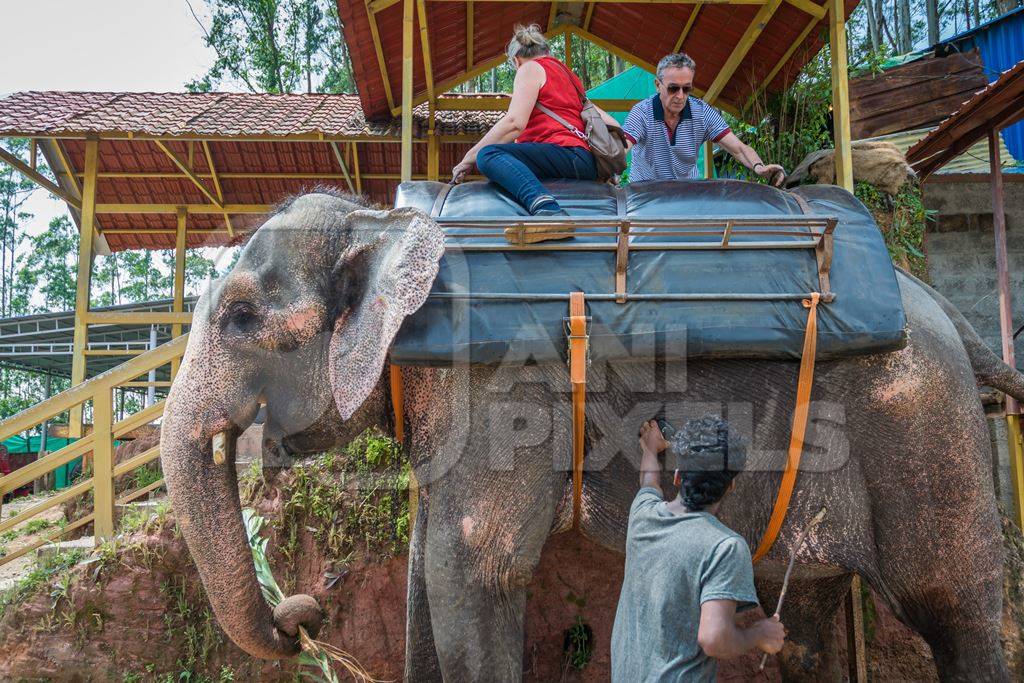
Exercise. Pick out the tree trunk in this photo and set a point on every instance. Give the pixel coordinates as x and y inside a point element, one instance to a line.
<point>932,13</point>
<point>906,42</point>
<point>873,36</point>
<point>976,10</point>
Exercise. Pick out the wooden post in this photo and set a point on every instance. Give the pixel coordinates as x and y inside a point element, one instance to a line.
<point>568,51</point>
<point>1013,427</point>
<point>709,160</point>
<point>840,94</point>
<point>85,246</point>
<point>407,27</point>
<point>179,279</point>
<point>103,464</point>
<point>355,167</point>
<point>856,652</point>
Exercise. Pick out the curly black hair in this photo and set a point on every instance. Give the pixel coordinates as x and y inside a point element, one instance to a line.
<point>708,459</point>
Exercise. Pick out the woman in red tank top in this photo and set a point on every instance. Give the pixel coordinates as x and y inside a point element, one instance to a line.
<point>543,147</point>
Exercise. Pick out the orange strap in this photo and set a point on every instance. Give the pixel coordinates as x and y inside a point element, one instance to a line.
<point>578,340</point>
<point>796,439</point>
<point>397,401</point>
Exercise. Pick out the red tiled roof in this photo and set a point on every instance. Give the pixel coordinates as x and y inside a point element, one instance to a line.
<point>212,115</point>
<point>254,140</point>
<point>999,104</point>
<point>646,30</point>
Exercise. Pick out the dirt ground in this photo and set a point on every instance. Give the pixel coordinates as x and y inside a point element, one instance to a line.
<point>13,570</point>
<point>135,611</point>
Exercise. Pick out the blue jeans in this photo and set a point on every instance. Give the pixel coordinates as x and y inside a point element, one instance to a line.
<point>517,167</point>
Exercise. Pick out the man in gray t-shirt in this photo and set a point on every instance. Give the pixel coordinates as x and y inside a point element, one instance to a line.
<point>687,574</point>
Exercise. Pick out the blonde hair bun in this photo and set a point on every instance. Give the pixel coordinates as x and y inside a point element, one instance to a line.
<point>527,42</point>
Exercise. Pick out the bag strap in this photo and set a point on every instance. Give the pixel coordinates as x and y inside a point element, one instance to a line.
<point>572,129</point>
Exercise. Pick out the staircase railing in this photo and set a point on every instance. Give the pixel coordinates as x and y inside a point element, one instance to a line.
<point>99,444</point>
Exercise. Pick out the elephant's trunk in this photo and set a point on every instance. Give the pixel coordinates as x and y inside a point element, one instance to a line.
<point>206,503</point>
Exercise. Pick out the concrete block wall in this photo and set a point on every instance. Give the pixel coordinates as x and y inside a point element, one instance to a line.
<point>961,250</point>
<point>960,246</point>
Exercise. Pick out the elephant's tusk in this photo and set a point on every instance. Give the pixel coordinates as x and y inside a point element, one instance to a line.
<point>223,447</point>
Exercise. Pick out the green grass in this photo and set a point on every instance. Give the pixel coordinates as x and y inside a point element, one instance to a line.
<point>46,569</point>
<point>355,499</point>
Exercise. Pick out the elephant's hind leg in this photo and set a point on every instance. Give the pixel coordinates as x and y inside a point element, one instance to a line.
<point>811,652</point>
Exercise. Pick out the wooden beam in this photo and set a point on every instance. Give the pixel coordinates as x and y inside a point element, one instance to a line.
<point>589,15</point>
<point>552,13</point>
<point>690,21</point>
<point>428,69</point>
<point>180,163</point>
<point>498,103</point>
<point>840,94</point>
<point>344,166</point>
<point>568,51</point>
<point>355,167</point>
<point>407,30</point>
<point>815,10</point>
<point>469,35</point>
<point>799,42</point>
<point>180,246</point>
<point>746,42</point>
<point>1006,325</point>
<point>139,318</point>
<point>38,178</point>
<point>614,49</point>
<point>103,465</point>
<point>216,185</point>
<point>80,338</point>
<point>381,62</point>
<point>191,208</point>
<point>629,2</point>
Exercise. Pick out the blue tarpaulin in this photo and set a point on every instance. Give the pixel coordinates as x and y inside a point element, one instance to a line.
<point>1001,43</point>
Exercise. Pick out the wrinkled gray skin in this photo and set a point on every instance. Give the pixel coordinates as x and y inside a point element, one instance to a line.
<point>897,450</point>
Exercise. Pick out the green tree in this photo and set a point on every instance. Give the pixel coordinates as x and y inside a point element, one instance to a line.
<point>14,192</point>
<point>49,269</point>
<point>276,46</point>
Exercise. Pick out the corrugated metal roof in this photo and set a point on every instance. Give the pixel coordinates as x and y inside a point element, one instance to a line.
<point>974,160</point>
<point>999,104</point>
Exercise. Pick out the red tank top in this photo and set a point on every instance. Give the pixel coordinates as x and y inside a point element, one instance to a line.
<point>561,94</point>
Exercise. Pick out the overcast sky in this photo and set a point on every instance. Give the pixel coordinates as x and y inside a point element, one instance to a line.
<point>120,45</point>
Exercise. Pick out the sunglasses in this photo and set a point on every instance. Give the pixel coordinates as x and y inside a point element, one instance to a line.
<point>673,88</point>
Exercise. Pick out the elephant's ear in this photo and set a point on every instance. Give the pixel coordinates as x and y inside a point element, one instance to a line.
<point>390,260</point>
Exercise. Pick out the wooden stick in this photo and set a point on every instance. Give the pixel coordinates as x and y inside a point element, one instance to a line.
<point>789,570</point>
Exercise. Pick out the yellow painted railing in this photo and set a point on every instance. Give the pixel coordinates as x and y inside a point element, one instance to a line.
<point>100,444</point>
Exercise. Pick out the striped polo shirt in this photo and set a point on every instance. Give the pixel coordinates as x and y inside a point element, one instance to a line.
<point>661,155</point>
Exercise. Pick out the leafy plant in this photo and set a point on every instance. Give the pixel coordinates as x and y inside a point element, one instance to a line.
<point>314,654</point>
<point>579,644</point>
<point>902,220</point>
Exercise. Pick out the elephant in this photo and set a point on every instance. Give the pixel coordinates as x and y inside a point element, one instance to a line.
<point>897,451</point>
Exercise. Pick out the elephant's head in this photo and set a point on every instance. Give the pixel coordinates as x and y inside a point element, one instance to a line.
<point>302,325</point>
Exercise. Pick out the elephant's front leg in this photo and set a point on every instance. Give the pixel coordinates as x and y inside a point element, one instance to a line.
<point>483,541</point>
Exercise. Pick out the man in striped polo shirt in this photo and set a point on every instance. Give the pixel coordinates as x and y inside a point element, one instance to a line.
<point>667,130</point>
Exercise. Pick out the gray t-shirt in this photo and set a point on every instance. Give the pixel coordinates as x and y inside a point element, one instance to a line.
<point>674,563</point>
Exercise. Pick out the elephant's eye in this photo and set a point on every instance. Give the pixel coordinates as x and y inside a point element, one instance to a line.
<point>241,316</point>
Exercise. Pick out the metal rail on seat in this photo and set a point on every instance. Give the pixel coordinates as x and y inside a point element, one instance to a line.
<point>623,235</point>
